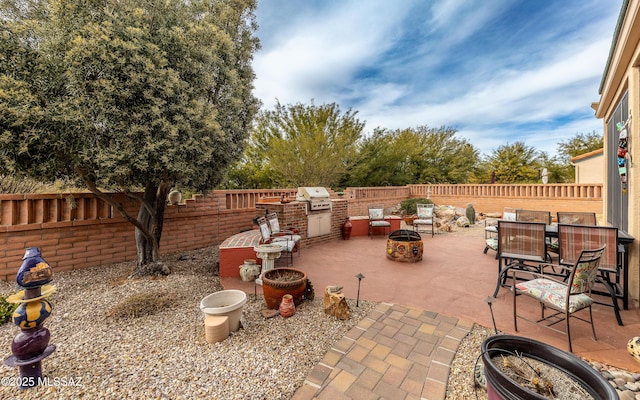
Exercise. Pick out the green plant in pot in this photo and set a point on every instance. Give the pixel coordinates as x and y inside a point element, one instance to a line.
<point>408,208</point>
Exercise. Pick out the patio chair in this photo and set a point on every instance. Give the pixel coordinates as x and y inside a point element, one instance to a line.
<point>577,218</point>
<point>521,246</point>
<point>539,216</point>
<point>425,217</point>
<point>564,298</point>
<point>491,231</point>
<point>573,238</point>
<point>376,220</point>
<point>289,243</point>
<point>533,216</point>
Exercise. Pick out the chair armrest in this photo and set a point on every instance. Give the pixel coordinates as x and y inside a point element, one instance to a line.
<point>554,266</point>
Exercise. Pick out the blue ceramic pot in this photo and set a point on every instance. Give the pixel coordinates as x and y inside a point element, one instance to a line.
<point>32,314</point>
<point>34,271</point>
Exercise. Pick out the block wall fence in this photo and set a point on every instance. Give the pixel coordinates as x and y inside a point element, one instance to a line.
<point>78,230</point>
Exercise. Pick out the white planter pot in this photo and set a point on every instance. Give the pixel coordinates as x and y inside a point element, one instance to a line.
<point>226,303</point>
<point>175,197</point>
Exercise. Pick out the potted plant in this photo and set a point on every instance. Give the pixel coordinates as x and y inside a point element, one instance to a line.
<point>280,281</point>
<point>521,368</point>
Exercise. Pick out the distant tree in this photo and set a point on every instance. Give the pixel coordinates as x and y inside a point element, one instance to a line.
<point>515,163</point>
<point>444,157</point>
<point>413,155</point>
<point>127,95</point>
<point>301,145</point>
<point>579,144</point>
<point>380,161</point>
<point>558,171</point>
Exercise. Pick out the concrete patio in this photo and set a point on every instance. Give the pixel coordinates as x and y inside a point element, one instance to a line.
<point>447,288</point>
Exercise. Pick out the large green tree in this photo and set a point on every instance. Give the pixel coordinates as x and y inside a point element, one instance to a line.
<point>413,155</point>
<point>579,144</point>
<point>300,145</point>
<point>515,163</point>
<point>126,95</point>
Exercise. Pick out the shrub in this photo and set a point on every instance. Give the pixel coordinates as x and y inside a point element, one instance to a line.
<point>6,310</point>
<point>142,304</point>
<point>408,206</point>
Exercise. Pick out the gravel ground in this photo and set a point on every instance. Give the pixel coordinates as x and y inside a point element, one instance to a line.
<point>104,352</point>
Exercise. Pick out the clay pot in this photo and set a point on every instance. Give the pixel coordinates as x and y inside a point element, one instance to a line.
<point>287,308</point>
<point>347,226</point>
<point>501,387</point>
<point>249,271</point>
<point>280,281</point>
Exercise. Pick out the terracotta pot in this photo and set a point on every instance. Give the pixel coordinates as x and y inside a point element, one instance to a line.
<point>347,226</point>
<point>280,281</point>
<point>409,220</point>
<point>287,308</point>
<point>499,386</point>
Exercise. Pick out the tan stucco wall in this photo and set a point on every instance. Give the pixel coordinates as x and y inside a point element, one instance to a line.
<point>622,76</point>
<point>590,170</point>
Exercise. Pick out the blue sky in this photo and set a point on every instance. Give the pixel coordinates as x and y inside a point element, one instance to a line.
<point>498,71</point>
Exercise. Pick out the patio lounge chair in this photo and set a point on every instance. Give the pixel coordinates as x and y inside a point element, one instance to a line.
<point>564,298</point>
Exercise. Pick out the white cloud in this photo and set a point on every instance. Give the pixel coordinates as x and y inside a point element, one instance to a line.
<point>403,64</point>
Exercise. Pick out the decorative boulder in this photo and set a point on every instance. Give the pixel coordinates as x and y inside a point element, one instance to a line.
<point>633,347</point>
<point>335,304</point>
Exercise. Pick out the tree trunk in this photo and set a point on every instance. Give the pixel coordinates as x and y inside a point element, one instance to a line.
<point>151,219</point>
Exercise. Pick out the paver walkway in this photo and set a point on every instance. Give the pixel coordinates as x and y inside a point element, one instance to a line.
<point>395,353</point>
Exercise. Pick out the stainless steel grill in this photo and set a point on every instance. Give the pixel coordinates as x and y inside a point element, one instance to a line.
<point>318,197</point>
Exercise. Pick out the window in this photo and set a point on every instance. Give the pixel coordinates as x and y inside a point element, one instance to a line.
<point>617,206</point>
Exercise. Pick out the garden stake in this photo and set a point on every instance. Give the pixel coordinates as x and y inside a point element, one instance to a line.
<point>360,277</point>
<point>489,300</point>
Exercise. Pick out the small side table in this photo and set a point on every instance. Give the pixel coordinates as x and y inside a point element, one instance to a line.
<point>268,253</point>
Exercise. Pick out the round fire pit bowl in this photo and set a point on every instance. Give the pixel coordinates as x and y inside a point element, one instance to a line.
<point>404,245</point>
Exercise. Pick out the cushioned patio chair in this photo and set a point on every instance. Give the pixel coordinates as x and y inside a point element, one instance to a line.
<point>576,218</point>
<point>521,246</point>
<point>377,222</point>
<point>425,217</point>
<point>287,242</point>
<point>573,238</point>
<point>491,231</point>
<point>564,298</point>
<point>539,216</point>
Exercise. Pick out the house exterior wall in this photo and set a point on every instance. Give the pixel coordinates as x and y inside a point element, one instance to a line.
<point>589,168</point>
<point>620,77</point>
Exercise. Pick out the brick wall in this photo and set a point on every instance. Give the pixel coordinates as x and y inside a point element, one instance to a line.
<point>90,233</point>
<point>294,214</point>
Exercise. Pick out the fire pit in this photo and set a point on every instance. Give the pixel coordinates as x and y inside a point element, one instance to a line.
<point>404,246</point>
